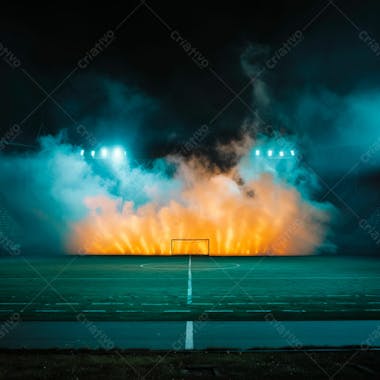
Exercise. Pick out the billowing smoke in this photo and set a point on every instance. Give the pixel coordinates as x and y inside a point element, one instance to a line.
<point>238,200</point>
<point>62,201</point>
<point>332,110</point>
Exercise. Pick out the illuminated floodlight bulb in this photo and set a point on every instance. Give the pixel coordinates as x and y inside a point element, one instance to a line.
<point>270,153</point>
<point>117,154</point>
<point>292,152</point>
<point>104,152</point>
<point>257,152</point>
<point>82,152</point>
<point>92,153</point>
<point>281,153</point>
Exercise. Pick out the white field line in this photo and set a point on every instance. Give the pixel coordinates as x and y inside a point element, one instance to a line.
<point>189,284</point>
<point>189,342</point>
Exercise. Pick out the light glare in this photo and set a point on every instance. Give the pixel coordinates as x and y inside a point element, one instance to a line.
<point>117,154</point>
<point>104,152</point>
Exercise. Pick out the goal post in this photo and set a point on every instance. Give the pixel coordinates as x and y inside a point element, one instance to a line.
<point>190,247</point>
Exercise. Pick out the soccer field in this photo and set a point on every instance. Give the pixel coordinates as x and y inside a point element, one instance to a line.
<point>184,288</point>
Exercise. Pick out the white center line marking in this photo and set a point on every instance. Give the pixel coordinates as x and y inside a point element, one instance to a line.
<point>189,342</point>
<point>189,284</point>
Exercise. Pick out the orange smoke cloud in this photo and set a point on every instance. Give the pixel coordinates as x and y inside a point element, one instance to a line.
<point>259,216</point>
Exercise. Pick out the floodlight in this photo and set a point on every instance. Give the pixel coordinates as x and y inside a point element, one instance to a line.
<point>257,152</point>
<point>82,152</point>
<point>270,153</point>
<point>117,154</point>
<point>281,153</point>
<point>292,152</point>
<point>92,153</point>
<point>104,152</point>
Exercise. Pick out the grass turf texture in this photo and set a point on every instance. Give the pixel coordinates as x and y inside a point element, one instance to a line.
<point>150,288</point>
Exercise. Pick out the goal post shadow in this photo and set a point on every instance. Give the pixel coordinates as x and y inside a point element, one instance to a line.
<point>190,247</point>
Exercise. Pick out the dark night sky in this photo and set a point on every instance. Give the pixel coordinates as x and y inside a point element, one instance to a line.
<point>168,96</point>
<point>145,91</point>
